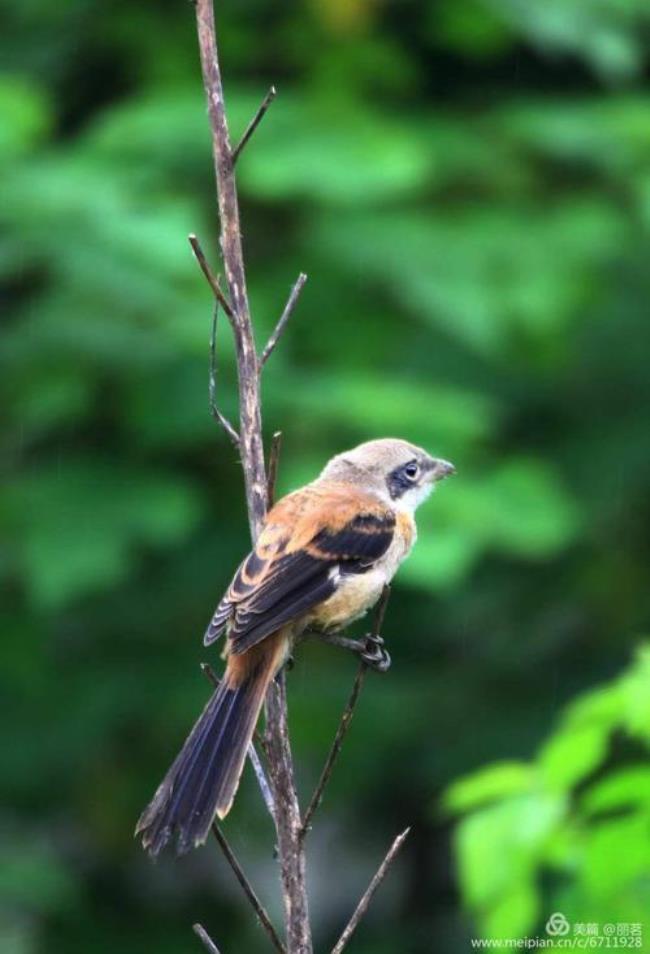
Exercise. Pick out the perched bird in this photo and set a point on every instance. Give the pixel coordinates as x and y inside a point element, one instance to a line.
<point>322,559</point>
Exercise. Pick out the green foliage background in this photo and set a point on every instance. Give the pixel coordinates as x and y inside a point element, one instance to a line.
<point>467,183</point>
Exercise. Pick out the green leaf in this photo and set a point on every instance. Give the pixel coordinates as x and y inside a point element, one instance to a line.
<point>635,694</point>
<point>493,296</point>
<point>493,782</point>
<point>82,524</point>
<point>627,788</point>
<point>24,116</point>
<point>499,845</point>
<point>33,878</point>
<point>572,754</point>
<point>616,853</point>
<point>608,39</point>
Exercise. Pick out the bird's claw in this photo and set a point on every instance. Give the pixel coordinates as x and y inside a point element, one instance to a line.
<point>375,656</point>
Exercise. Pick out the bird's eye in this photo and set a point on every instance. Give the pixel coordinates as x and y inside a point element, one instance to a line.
<point>412,470</point>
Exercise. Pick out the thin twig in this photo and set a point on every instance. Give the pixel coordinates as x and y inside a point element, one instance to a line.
<point>205,938</point>
<point>341,733</point>
<point>262,781</point>
<point>260,911</point>
<point>211,279</point>
<point>284,318</point>
<point>210,674</point>
<point>274,461</point>
<point>363,904</point>
<point>212,383</point>
<point>346,719</point>
<point>254,123</point>
<point>254,758</point>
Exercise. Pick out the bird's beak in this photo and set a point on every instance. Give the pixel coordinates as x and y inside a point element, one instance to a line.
<point>441,469</point>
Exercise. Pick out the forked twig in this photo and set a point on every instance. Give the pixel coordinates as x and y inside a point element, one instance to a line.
<point>367,897</point>
<point>346,720</point>
<point>205,939</point>
<point>254,758</point>
<point>249,891</point>
<point>212,383</point>
<point>284,318</point>
<point>254,123</point>
<point>274,461</point>
<point>211,279</point>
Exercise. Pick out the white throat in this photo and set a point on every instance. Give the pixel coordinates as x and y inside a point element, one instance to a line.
<point>411,499</point>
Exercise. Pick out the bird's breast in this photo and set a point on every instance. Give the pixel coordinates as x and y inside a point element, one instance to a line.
<point>357,592</point>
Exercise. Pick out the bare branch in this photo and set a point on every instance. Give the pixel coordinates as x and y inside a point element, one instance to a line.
<point>255,760</point>
<point>363,904</point>
<point>262,781</point>
<point>205,938</point>
<point>220,418</point>
<point>211,279</point>
<point>284,318</point>
<point>250,429</point>
<point>290,847</point>
<point>348,712</point>
<point>254,123</point>
<point>260,911</point>
<point>274,460</point>
<point>209,672</point>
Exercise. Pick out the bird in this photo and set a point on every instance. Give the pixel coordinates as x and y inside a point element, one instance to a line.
<point>323,557</point>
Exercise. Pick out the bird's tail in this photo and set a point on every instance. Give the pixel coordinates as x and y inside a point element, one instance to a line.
<point>205,775</point>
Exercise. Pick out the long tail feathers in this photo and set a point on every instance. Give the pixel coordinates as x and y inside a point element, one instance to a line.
<point>204,777</point>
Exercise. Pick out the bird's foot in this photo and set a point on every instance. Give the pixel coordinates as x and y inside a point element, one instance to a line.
<point>374,655</point>
<point>370,649</point>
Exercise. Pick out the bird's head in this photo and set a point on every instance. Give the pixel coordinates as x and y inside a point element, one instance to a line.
<point>391,468</point>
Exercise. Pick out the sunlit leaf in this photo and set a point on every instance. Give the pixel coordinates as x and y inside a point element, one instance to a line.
<point>496,781</point>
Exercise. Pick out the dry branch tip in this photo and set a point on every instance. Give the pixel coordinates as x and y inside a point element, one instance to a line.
<point>284,318</point>
<point>254,123</point>
<point>274,461</point>
<point>248,889</point>
<point>211,279</point>
<point>369,893</point>
<point>205,939</point>
<point>220,418</point>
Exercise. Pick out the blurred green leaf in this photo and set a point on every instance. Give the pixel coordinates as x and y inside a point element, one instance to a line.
<point>83,523</point>
<point>571,755</point>
<point>626,788</point>
<point>24,116</point>
<point>490,293</point>
<point>606,33</point>
<point>534,824</point>
<point>495,781</point>
<point>34,878</point>
<point>616,852</point>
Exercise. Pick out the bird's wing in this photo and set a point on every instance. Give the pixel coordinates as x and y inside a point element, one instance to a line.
<point>306,538</point>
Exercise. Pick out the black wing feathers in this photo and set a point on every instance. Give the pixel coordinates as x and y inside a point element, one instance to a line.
<point>367,536</point>
<point>258,603</point>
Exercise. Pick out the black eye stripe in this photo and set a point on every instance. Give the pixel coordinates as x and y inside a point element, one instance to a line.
<point>402,479</point>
